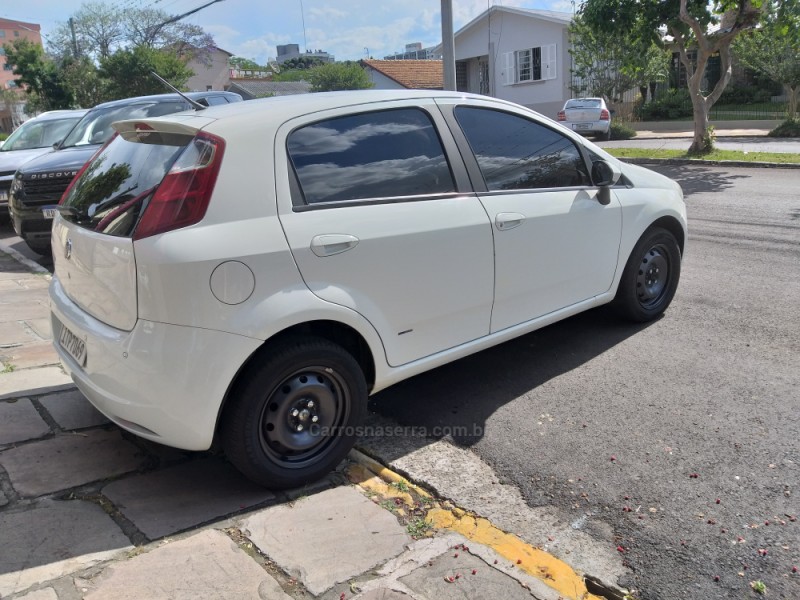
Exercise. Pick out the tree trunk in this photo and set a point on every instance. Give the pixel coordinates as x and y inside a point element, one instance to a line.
<point>791,95</point>
<point>701,142</point>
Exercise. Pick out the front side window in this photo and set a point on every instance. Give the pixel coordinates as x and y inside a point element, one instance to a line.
<point>380,154</point>
<point>515,153</point>
<point>39,134</point>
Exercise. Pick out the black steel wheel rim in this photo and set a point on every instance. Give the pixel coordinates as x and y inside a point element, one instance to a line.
<point>653,276</point>
<point>303,416</point>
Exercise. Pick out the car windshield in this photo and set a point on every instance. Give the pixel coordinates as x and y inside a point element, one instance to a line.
<point>41,133</point>
<point>95,127</point>
<point>583,103</point>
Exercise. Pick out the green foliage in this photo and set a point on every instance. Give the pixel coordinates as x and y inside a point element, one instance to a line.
<point>788,129</point>
<point>291,75</point>
<point>670,105</point>
<point>3,136</point>
<point>745,94</point>
<point>128,72</point>
<point>774,48</point>
<point>705,147</point>
<point>83,79</point>
<point>44,81</point>
<point>302,62</point>
<point>418,527</point>
<point>621,131</point>
<point>338,76</point>
<point>245,64</point>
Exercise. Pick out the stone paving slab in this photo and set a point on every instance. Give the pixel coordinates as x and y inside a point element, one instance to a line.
<point>205,565</point>
<point>163,502</point>
<point>43,594</point>
<point>19,421</point>
<point>68,460</point>
<point>13,332</point>
<point>327,538</point>
<point>487,582</point>
<point>71,410</point>
<point>54,539</point>
<point>32,355</point>
<point>41,327</point>
<point>22,311</point>
<point>30,382</point>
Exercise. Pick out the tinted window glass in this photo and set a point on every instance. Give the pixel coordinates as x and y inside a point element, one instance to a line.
<point>515,153</point>
<point>95,127</point>
<point>113,191</point>
<point>371,155</point>
<point>583,103</point>
<point>214,100</point>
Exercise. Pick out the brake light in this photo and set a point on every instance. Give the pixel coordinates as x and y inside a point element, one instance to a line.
<point>183,196</point>
<point>83,168</point>
<point>604,115</point>
<point>562,116</point>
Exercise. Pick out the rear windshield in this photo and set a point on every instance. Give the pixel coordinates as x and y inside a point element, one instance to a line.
<point>95,127</point>
<point>112,193</point>
<point>39,133</point>
<point>584,103</point>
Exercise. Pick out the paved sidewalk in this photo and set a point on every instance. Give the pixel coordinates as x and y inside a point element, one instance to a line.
<point>89,511</point>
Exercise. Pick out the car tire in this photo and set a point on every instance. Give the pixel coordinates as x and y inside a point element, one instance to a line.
<point>650,277</point>
<point>293,414</point>
<point>605,137</point>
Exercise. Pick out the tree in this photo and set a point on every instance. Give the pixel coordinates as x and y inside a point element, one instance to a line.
<point>245,64</point>
<point>689,23</point>
<point>128,72</point>
<point>83,79</point>
<point>774,48</point>
<point>338,76</point>
<point>40,76</point>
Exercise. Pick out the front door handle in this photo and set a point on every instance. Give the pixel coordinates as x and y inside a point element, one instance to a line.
<point>506,221</point>
<point>333,243</point>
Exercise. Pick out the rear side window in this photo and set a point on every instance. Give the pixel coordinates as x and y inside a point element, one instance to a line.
<point>114,189</point>
<point>370,155</point>
<point>515,153</point>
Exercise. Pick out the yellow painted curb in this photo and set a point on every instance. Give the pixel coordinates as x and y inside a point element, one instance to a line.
<point>535,562</point>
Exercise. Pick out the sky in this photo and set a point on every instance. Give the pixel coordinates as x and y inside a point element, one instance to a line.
<point>348,29</point>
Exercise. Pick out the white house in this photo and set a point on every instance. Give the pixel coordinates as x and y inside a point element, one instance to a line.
<point>516,54</point>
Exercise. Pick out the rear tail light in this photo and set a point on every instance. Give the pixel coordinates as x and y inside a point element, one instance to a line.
<point>83,168</point>
<point>182,197</point>
<point>562,116</point>
<point>604,115</point>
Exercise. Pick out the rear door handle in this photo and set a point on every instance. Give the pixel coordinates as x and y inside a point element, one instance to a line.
<point>506,221</point>
<point>333,243</point>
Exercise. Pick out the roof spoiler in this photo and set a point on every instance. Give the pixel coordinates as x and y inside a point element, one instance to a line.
<point>194,103</point>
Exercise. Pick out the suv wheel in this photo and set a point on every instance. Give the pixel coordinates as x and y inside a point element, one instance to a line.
<point>292,418</point>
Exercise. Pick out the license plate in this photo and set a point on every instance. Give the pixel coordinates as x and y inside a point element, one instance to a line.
<point>3,196</point>
<point>75,346</point>
<point>49,213</point>
<point>582,126</point>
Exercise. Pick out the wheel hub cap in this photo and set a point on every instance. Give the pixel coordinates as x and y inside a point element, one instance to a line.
<point>653,276</point>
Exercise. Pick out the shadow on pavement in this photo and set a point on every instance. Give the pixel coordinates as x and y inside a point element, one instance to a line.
<point>458,398</point>
<point>697,179</point>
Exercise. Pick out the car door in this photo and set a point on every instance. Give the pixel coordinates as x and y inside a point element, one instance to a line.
<point>381,220</point>
<point>555,243</point>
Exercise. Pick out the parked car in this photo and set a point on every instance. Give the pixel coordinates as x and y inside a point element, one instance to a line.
<point>587,116</point>
<point>44,179</point>
<point>34,137</point>
<point>253,272</point>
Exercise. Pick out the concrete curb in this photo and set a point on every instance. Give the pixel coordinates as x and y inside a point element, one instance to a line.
<point>714,163</point>
<point>516,556</point>
<point>33,266</point>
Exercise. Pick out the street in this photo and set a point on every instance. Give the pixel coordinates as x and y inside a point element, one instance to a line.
<point>681,435</point>
<point>673,445</point>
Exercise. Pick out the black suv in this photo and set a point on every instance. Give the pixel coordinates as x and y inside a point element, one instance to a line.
<point>43,180</point>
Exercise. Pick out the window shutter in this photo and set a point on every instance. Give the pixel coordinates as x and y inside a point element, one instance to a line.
<point>549,62</point>
<point>510,73</point>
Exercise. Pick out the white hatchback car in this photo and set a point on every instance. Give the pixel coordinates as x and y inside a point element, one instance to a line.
<point>255,271</point>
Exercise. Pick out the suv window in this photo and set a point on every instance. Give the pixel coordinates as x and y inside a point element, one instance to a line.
<point>95,127</point>
<point>39,134</point>
<point>379,154</point>
<point>515,153</point>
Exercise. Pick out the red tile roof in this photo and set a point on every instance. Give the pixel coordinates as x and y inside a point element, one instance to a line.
<point>412,74</point>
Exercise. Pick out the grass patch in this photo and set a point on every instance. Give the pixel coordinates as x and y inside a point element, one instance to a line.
<point>789,128</point>
<point>418,528</point>
<point>737,155</point>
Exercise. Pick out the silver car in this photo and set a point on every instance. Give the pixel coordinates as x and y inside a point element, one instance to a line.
<point>588,116</point>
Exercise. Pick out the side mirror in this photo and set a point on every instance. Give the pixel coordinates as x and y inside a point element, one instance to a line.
<point>604,175</point>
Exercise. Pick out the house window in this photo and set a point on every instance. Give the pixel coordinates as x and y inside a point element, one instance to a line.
<point>531,64</point>
<point>16,33</point>
<point>462,81</point>
<point>2,33</point>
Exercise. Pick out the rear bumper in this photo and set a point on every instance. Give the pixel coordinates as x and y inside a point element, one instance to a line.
<point>29,222</point>
<point>589,127</point>
<point>162,382</point>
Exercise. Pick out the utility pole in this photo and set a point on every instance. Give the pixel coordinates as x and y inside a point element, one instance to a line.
<point>448,46</point>
<point>75,51</point>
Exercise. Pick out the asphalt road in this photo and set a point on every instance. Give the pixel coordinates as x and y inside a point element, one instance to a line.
<point>595,416</point>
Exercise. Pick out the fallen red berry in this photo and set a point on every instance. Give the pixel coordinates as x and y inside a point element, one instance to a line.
<point>762,551</point>
<point>613,458</point>
<point>712,522</point>
<point>716,577</point>
<point>794,569</point>
<point>474,571</point>
<point>620,549</point>
<point>449,579</point>
<point>458,575</point>
<point>627,498</point>
<point>717,500</point>
<point>455,555</point>
<point>723,530</point>
<point>495,561</point>
<point>519,561</point>
<point>694,475</point>
<point>766,522</point>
